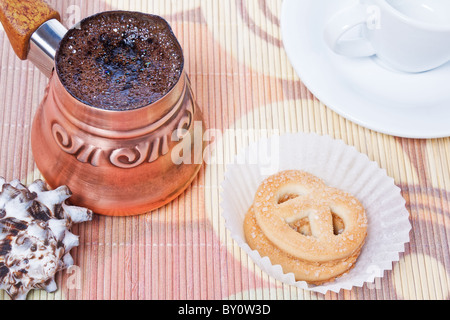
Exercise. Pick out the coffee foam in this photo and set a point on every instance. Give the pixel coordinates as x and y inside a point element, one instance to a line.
<point>119,60</point>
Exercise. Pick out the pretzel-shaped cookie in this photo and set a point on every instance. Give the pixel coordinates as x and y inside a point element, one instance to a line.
<point>312,272</point>
<point>317,202</point>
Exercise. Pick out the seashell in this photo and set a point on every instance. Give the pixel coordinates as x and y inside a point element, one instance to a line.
<point>35,237</point>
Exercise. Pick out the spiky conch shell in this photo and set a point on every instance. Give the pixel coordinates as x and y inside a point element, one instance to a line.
<point>35,237</point>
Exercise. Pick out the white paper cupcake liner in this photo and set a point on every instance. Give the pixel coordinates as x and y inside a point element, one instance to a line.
<point>338,165</point>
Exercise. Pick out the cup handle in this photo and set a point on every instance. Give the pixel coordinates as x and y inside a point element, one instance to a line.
<point>340,24</point>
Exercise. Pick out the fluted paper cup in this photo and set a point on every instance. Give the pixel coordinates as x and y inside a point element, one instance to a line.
<point>338,165</point>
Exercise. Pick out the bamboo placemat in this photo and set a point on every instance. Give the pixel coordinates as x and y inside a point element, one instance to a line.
<point>242,80</point>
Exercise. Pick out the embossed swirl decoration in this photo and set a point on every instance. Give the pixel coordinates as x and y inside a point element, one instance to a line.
<point>154,145</point>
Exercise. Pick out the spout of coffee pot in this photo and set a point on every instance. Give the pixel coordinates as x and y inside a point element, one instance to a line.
<point>34,31</point>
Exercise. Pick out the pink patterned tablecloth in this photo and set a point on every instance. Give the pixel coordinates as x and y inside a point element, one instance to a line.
<point>242,79</point>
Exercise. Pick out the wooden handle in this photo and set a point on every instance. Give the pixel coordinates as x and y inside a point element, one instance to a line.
<point>21,18</point>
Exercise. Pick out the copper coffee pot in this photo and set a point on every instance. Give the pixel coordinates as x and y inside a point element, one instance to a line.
<point>116,163</point>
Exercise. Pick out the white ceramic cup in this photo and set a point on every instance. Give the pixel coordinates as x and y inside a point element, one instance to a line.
<point>408,35</point>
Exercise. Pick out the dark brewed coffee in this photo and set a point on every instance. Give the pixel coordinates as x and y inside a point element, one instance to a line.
<point>119,60</point>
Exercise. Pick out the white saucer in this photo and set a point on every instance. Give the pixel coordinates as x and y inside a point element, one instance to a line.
<point>361,89</point>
